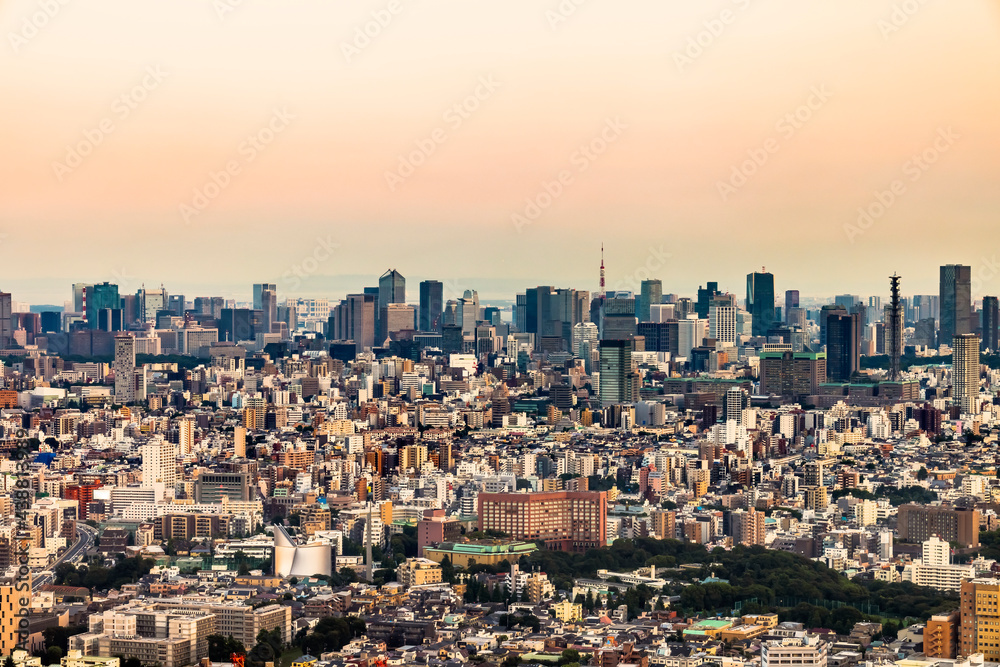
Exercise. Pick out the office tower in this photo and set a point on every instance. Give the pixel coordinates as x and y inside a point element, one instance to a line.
<point>690,333</point>
<point>843,347</point>
<point>130,308</point>
<point>846,301</point>
<point>236,324</point>
<point>209,305</point>
<point>468,311</point>
<point>979,611</point>
<point>791,301</point>
<point>150,302</point>
<point>176,305</point>
<point>354,320</point>
<point>240,442</point>
<point>991,320</point>
<point>760,301</point>
<point>258,294</point>
<point>660,336</point>
<point>618,320</point>
<point>452,340</point>
<point>391,289</point>
<point>651,293</point>
<point>159,464</point>
<point>110,319</point>
<point>894,330</point>
<point>268,309</point>
<point>398,317</point>
<point>734,402</point>
<point>288,316</point>
<point>792,374</point>
<point>431,305</point>
<point>563,520</point>
<point>722,323</point>
<point>6,321</point>
<point>51,321</point>
<point>705,295</point>
<point>185,436</point>
<point>965,373</point>
<point>584,332</point>
<point>99,297</point>
<point>124,369</point>
<point>917,523</point>
<point>955,300</point>
<point>616,371</point>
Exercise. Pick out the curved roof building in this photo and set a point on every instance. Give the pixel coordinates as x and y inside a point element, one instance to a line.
<point>292,560</point>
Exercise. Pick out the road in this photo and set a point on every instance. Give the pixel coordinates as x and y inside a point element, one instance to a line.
<point>86,537</point>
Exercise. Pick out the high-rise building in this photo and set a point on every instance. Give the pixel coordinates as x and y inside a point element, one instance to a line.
<point>979,607</point>
<point>843,347</point>
<point>722,323</point>
<point>956,301</point>
<point>149,302</point>
<point>240,442</point>
<point>258,294</point>
<point>159,464</point>
<point>747,527</point>
<point>238,324</point>
<point>735,401</point>
<point>354,320</point>
<point>564,520</point>
<point>760,301</point>
<point>965,373</point>
<point>398,317</point>
<point>98,297</point>
<point>6,320</point>
<point>124,369</point>
<point>941,635</point>
<point>705,295</point>
<point>391,289</point>
<point>792,374</point>
<point>12,592</point>
<point>80,297</point>
<point>616,372</point>
<point>431,305</point>
<point>651,293</point>
<point>584,332</point>
<point>791,301</point>
<point>268,308</point>
<point>991,322</point>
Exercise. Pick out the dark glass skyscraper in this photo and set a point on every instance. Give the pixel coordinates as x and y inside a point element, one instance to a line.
<point>99,297</point>
<point>843,349</point>
<point>705,295</point>
<point>650,293</point>
<point>431,305</point>
<point>760,302</point>
<point>991,314</point>
<point>956,301</point>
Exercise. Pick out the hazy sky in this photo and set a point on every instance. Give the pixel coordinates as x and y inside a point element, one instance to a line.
<point>116,112</point>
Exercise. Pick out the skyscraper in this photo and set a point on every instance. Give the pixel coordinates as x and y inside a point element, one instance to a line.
<point>258,292</point>
<point>791,301</point>
<point>391,289</point>
<point>705,295</point>
<point>354,320</point>
<point>956,301</point>
<point>431,305</point>
<point>760,301</point>
<point>651,292</point>
<point>150,302</point>
<point>6,320</point>
<point>991,319</point>
<point>722,323</point>
<point>124,369</point>
<point>616,372</point>
<point>99,297</point>
<point>965,372</point>
<point>843,347</point>
<point>159,464</point>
